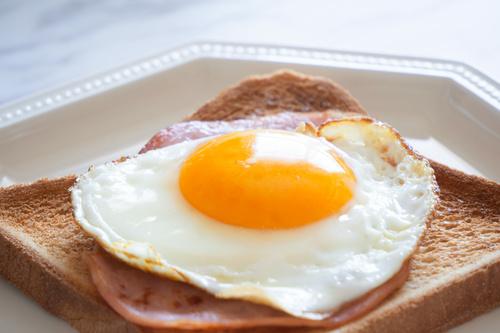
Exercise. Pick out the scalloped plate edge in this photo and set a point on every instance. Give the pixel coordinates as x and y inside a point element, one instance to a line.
<point>473,80</point>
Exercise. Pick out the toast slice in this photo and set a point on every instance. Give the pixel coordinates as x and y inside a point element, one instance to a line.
<point>455,275</point>
<point>282,91</point>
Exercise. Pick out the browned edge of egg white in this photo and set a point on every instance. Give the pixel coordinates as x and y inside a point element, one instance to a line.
<point>435,187</point>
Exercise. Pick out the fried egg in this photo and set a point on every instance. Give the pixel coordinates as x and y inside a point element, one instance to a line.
<point>300,221</point>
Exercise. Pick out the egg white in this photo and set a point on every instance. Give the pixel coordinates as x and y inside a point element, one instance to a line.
<point>136,211</point>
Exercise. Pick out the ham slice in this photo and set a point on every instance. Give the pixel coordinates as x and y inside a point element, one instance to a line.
<point>190,130</point>
<point>157,304</point>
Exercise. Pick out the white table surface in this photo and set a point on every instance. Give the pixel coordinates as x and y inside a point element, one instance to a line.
<point>44,44</point>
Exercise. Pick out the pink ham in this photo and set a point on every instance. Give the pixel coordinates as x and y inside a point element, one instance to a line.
<point>191,130</point>
<point>158,303</point>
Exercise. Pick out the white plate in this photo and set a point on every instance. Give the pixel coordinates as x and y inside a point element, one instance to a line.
<point>448,111</point>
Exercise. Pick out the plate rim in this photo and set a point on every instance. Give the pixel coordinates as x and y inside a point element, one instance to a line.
<point>39,102</point>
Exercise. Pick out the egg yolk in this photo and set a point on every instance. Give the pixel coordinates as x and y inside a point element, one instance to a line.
<point>266,179</point>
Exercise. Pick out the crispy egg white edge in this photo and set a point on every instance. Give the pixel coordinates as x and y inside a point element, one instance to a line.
<point>153,262</point>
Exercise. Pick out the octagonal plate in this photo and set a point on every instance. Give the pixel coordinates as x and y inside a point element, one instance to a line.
<point>448,111</point>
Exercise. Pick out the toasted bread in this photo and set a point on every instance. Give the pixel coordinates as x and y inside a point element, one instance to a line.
<point>455,274</point>
<point>282,91</point>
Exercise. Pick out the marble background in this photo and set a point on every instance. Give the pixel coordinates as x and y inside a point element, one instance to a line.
<point>44,44</point>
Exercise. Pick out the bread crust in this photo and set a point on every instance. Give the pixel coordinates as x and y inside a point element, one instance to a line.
<point>284,90</point>
<point>454,275</point>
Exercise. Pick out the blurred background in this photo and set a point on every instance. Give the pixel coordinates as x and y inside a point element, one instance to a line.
<point>44,44</point>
